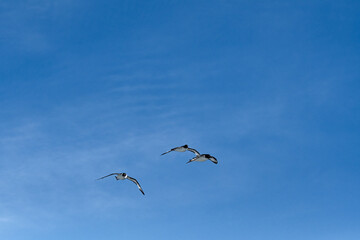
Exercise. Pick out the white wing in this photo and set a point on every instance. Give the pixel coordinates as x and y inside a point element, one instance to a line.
<point>108,175</point>
<point>193,159</point>
<point>213,159</point>
<point>173,149</point>
<point>137,183</point>
<point>194,151</point>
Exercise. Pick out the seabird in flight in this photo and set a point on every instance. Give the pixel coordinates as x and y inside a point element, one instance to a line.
<point>203,157</point>
<point>183,149</point>
<point>123,176</point>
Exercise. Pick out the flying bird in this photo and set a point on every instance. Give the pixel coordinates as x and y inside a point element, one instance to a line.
<point>123,176</point>
<point>203,157</point>
<point>183,149</point>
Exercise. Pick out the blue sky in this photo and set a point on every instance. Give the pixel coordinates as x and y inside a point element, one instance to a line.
<point>270,88</point>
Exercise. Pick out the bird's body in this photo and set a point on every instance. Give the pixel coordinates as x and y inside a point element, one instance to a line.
<point>203,158</point>
<point>182,149</point>
<point>120,177</point>
<point>123,176</point>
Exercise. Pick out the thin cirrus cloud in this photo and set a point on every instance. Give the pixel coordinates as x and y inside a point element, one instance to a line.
<point>93,88</point>
<point>54,162</point>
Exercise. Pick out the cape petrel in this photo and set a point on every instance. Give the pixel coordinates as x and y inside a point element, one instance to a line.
<point>203,157</point>
<point>183,149</point>
<point>123,176</point>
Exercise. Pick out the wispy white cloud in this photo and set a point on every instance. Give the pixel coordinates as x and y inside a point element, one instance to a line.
<point>47,175</point>
<point>18,26</point>
<point>5,219</point>
<point>142,87</point>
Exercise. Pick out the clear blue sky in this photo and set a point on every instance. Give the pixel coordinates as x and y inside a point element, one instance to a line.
<point>270,88</point>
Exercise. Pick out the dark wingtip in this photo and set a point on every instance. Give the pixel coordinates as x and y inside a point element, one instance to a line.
<point>188,162</point>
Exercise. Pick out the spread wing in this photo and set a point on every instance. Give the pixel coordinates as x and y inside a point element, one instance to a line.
<point>137,183</point>
<point>167,152</point>
<point>194,151</point>
<point>213,159</point>
<point>173,149</point>
<point>193,159</point>
<point>108,175</point>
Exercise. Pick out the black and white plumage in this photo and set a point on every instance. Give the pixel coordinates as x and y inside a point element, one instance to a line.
<point>183,149</point>
<point>123,176</point>
<point>194,151</point>
<point>203,157</point>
